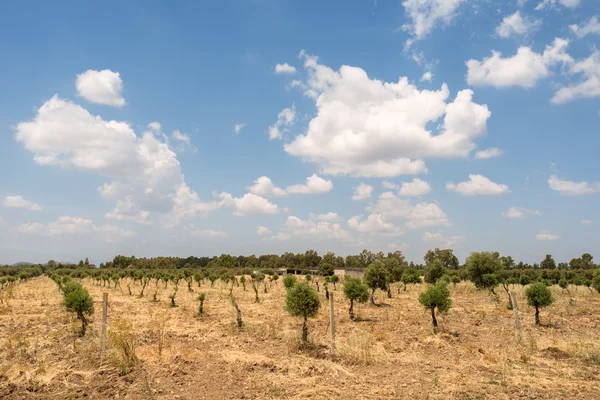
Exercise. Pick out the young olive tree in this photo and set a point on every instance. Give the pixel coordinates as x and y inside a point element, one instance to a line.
<point>355,290</point>
<point>78,300</point>
<point>538,295</point>
<point>334,279</point>
<point>434,271</point>
<point>243,282</point>
<point>289,281</point>
<point>410,276</point>
<point>376,277</point>
<point>302,301</point>
<point>436,296</point>
<point>201,297</point>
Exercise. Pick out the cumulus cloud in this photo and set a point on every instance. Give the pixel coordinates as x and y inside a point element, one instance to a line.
<point>477,185</point>
<point>285,68</point>
<point>262,230</point>
<point>311,228</point>
<point>591,27</point>
<point>425,15</point>
<point>71,226</point>
<point>416,187</point>
<point>369,128</point>
<point>248,204</point>
<point>237,128</point>
<point>589,87</point>
<point>444,241</point>
<point>525,69</point>
<point>362,192</point>
<point>19,202</point>
<point>330,217</point>
<point>518,212</point>
<point>101,87</point>
<point>546,235</point>
<point>570,188</point>
<point>263,186</point>
<point>285,119</point>
<point>426,77</point>
<point>144,172</point>
<point>516,25</point>
<point>488,153</point>
<point>314,185</point>
<point>390,185</point>
<point>210,233</point>
<point>375,224</point>
<point>554,3</point>
<point>414,216</point>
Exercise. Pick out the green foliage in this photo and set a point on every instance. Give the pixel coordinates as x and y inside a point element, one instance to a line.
<point>77,300</point>
<point>436,296</point>
<point>355,290</point>
<point>325,268</point>
<point>434,271</point>
<point>410,276</point>
<point>302,301</point>
<point>289,281</point>
<point>490,281</point>
<point>548,262</point>
<point>596,280</point>
<point>538,295</point>
<point>201,297</point>
<point>334,279</point>
<point>446,257</point>
<point>376,277</point>
<point>480,264</point>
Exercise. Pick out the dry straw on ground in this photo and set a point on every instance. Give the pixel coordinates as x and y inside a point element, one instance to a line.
<point>158,352</point>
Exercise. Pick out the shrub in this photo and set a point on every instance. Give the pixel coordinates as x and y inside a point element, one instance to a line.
<point>376,277</point>
<point>78,300</point>
<point>410,276</point>
<point>436,296</point>
<point>289,281</point>
<point>434,271</point>
<point>201,297</point>
<point>355,290</point>
<point>538,295</point>
<point>302,301</point>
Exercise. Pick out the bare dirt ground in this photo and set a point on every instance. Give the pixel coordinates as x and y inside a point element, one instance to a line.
<point>391,354</point>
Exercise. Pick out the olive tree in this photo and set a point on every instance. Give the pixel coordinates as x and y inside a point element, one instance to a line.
<point>434,271</point>
<point>436,296</point>
<point>78,300</point>
<point>410,276</point>
<point>480,264</point>
<point>355,290</point>
<point>334,279</point>
<point>538,295</point>
<point>376,277</point>
<point>289,281</point>
<point>302,301</point>
<point>201,297</point>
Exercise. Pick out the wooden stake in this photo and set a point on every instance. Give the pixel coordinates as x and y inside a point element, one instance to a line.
<point>513,298</point>
<point>332,323</point>
<point>104,315</point>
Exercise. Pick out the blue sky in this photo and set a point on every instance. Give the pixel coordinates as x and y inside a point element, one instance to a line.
<point>118,128</point>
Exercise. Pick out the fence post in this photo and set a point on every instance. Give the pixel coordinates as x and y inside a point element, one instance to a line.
<point>513,298</point>
<point>104,315</point>
<point>332,323</point>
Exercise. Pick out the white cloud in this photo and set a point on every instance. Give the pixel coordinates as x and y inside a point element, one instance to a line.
<point>210,233</point>
<point>362,192</point>
<point>237,128</point>
<point>285,119</point>
<point>425,15</point>
<point>518,212</point>
<point>19,202</point>
<point>155,127</point>
<point>523,69</point>
<point>314,185</point>
<point>295,226</point>
<point>285,68</point>
<point>516,25</point>
<point>416,216</point>
<point>249,204</point>
<point>262,230</point>
<point>401,247</point>
<point>101,87</point>
<point>263,186</point>
<point>416,187</point>
<point>553,3</point>
<point>71,226</point>
<point>589,68</point>
<point>181,137</point>
<point>477,185</point>
<point>330,217</point>
<point>445,241</point>
<point>375,224</point>
<point>426,77</point>
<point>570,188</point>
<point>586,221</point>
<point>369,128</point>
<point>488,153</point>
<point>545,235</point>
<point>591,27</point>
<point>145,173</point>
<point>390,185</point>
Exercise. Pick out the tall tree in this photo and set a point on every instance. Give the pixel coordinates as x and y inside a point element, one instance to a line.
<point>446,256</point>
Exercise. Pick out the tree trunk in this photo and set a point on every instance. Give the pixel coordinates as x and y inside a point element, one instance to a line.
<point>83,323</point>
<point>305,330</point>
<point>434,321</point>
<point>405,286</point>
<point>537,315</point>
<point>351,311</point>
<point>389,292</point>
<point>372,296</point>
